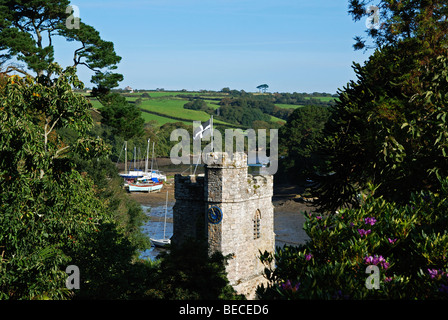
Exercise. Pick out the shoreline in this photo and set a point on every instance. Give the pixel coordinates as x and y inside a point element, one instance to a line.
<point>288,219</point>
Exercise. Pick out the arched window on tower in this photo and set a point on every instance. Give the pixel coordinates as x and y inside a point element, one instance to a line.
<point>257,219</point>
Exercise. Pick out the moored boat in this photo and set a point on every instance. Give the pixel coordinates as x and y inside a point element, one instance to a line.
<point>144,181</point>
<point>163,242</point>
<point>145,187</point>
<point>160,242</point>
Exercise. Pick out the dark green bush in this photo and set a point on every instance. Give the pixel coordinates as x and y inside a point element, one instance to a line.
<point>408,243</point>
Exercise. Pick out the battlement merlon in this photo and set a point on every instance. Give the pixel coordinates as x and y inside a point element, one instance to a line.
<point>259,186</point>
<point>188,187</point>
<point>224,160</point>
<point>227,179</point>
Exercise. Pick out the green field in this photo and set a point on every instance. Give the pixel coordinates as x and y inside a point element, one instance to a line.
<point>160,120</point>
<point>288,106</point>
<point>167,106</point>
<point>326,99</point>
<point>95,103</point>
<point>275,119</point>
<point>160,94</point>
<point>175,108</point>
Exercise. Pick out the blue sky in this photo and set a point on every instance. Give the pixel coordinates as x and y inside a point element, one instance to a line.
<point>291,45</point>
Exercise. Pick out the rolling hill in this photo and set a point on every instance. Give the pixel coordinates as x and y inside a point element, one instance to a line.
<point>161,107</point>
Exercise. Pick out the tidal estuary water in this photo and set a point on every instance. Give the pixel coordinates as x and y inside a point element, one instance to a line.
<point>288,223</point>
<point>154,227</point>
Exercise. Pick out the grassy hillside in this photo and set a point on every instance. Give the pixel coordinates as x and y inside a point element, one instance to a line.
<point>160,119</point>
<point>167,106</point>
<point>173,109</point>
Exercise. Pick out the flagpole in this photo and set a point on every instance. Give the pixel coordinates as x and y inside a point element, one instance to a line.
<point>197,163</point>
<point>211,128</point>
<point>200,152</point>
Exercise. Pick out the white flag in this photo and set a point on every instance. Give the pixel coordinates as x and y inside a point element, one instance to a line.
<point>202,130</point>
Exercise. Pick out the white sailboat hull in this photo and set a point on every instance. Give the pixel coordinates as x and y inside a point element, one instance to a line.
<point>160,242</point>
<point>145,187</point>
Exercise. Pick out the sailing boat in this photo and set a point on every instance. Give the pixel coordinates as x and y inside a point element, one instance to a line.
<point>146,182</point>
<point>132,174</point>
<point>152,173</point>
<point>162,242</point>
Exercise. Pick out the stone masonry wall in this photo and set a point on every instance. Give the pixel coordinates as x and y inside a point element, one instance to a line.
<point>246,205</point>
<point>189,208</point>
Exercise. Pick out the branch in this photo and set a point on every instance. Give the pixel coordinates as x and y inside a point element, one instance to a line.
<point>46,133</point>
<point>49,37</point>
<point>12,68</point>
<point>59,151</point>
<point>93,69</point>
<point>39,36</point>
<point>54,123</point>
<point>77,60</point>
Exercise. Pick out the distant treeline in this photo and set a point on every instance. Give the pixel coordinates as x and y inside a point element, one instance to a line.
<point>303,98</point>
<point>242,108</point>
<point>248,108</point>
<point>244,111</point>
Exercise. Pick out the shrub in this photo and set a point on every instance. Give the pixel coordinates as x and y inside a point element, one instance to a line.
<point>408,243</point>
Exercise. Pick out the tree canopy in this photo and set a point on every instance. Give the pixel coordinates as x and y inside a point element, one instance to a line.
<point>388,127</point>
<point>263,87</point>
<point>381,184</point>
<point>123,117</point>
<point>424,21</point>
<point>27,29</point>
<point>62,201</point>
<point>49,211</point>
<point>298,139</point>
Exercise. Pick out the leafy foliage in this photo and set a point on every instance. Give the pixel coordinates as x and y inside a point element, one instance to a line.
<point>407,242</point>
<point>387,129</point>
<point>403,20</point>
<point>197,104</point>
<point>298,138</point>
<point>58,205</point>
<point>304,98</point>
<point>123,117</point>
<point>245,111</point>
<point>189,273</point>
<point>48,210</point>
<point>27,30</point>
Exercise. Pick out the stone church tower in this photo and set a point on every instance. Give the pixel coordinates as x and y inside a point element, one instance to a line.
<point>234,211</point>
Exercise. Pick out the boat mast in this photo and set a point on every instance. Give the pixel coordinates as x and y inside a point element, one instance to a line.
<point>147,157</point>
<point>125,157</point>
<point>134,156</point>
<point>166,208</point>
<point>152,160</point>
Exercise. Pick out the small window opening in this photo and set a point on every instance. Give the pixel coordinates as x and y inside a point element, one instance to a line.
<point>257,229</point>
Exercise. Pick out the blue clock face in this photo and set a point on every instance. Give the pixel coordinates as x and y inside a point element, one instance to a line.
<point>214,215</point>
